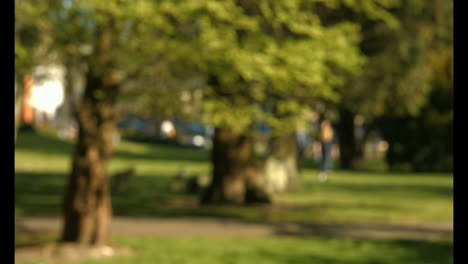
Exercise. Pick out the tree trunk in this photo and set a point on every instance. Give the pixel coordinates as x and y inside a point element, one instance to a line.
<point>346,138</point>
<point>236,179</point>
<point>87,204</point>
<point>281,166</point>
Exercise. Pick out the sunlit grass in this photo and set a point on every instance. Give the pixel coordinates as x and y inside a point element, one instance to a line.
<point>42,163</point>
<point>280,250</point>
<point>358,196</point>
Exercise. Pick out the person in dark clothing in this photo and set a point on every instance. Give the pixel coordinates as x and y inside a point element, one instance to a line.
<point>326,139</point>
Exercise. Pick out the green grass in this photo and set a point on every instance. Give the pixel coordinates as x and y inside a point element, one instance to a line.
<point>42,163</point>
<point>280,250</point>
<point>41,169</point>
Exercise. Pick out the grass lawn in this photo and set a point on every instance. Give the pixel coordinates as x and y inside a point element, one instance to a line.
<point>287,250</point>
<point>276,250</point>
<point>42,163</point>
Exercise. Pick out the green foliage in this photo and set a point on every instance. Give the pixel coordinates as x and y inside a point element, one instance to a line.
<point>397,81</point>
<point>246,52</point>
<point>411,143</point>
<point>32,34</point>
<point>397,78</point>
<point>250,51</point>
<point>76,27</point>
<point>421,100</point>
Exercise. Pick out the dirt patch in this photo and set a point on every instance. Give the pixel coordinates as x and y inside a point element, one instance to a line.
<point>219,227</point>
<point>209,227</point>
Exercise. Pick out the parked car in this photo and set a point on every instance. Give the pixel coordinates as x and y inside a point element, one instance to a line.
<point>136,128</point>
<point>193,134</point>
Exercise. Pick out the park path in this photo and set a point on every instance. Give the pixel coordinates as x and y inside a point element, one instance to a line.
<point>218,227</point>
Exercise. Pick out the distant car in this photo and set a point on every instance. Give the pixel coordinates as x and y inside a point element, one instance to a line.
<point>193,134</point>
<point>135,124</point>
<point>135,127</point>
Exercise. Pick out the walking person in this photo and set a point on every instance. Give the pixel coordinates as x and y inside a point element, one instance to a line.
<point>326,140</point>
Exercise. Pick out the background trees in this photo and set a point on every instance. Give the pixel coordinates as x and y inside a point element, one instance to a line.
<point>410,148</point>
<point>398,78</point>
<point>32,39</point>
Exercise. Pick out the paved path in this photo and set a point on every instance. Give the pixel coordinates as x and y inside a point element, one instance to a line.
<point>216,227</point>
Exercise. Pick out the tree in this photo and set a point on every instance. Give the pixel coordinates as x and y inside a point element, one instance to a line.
<point>396,80</point>
<point>424,142</point>
<point>252,51</point>
<point>282,159</point>
<point>32,37</point>
<point>281,168</point>
<point>430,117</point>
<point>110,31</point>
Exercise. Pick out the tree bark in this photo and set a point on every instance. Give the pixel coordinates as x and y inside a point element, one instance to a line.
<point>236,179</point>
<point>87,203</point>
<point>281,166</point>
<point>347,139</point>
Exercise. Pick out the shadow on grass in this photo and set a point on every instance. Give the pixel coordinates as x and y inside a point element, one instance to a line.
<point>43,143</point>
<point>166,153</point>
<point>383,231</point>
<point>33,239</point>
<point>41,194</point>
<point>38,193</point>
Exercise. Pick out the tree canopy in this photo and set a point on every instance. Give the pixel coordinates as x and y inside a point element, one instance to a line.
<point>250,52</point>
